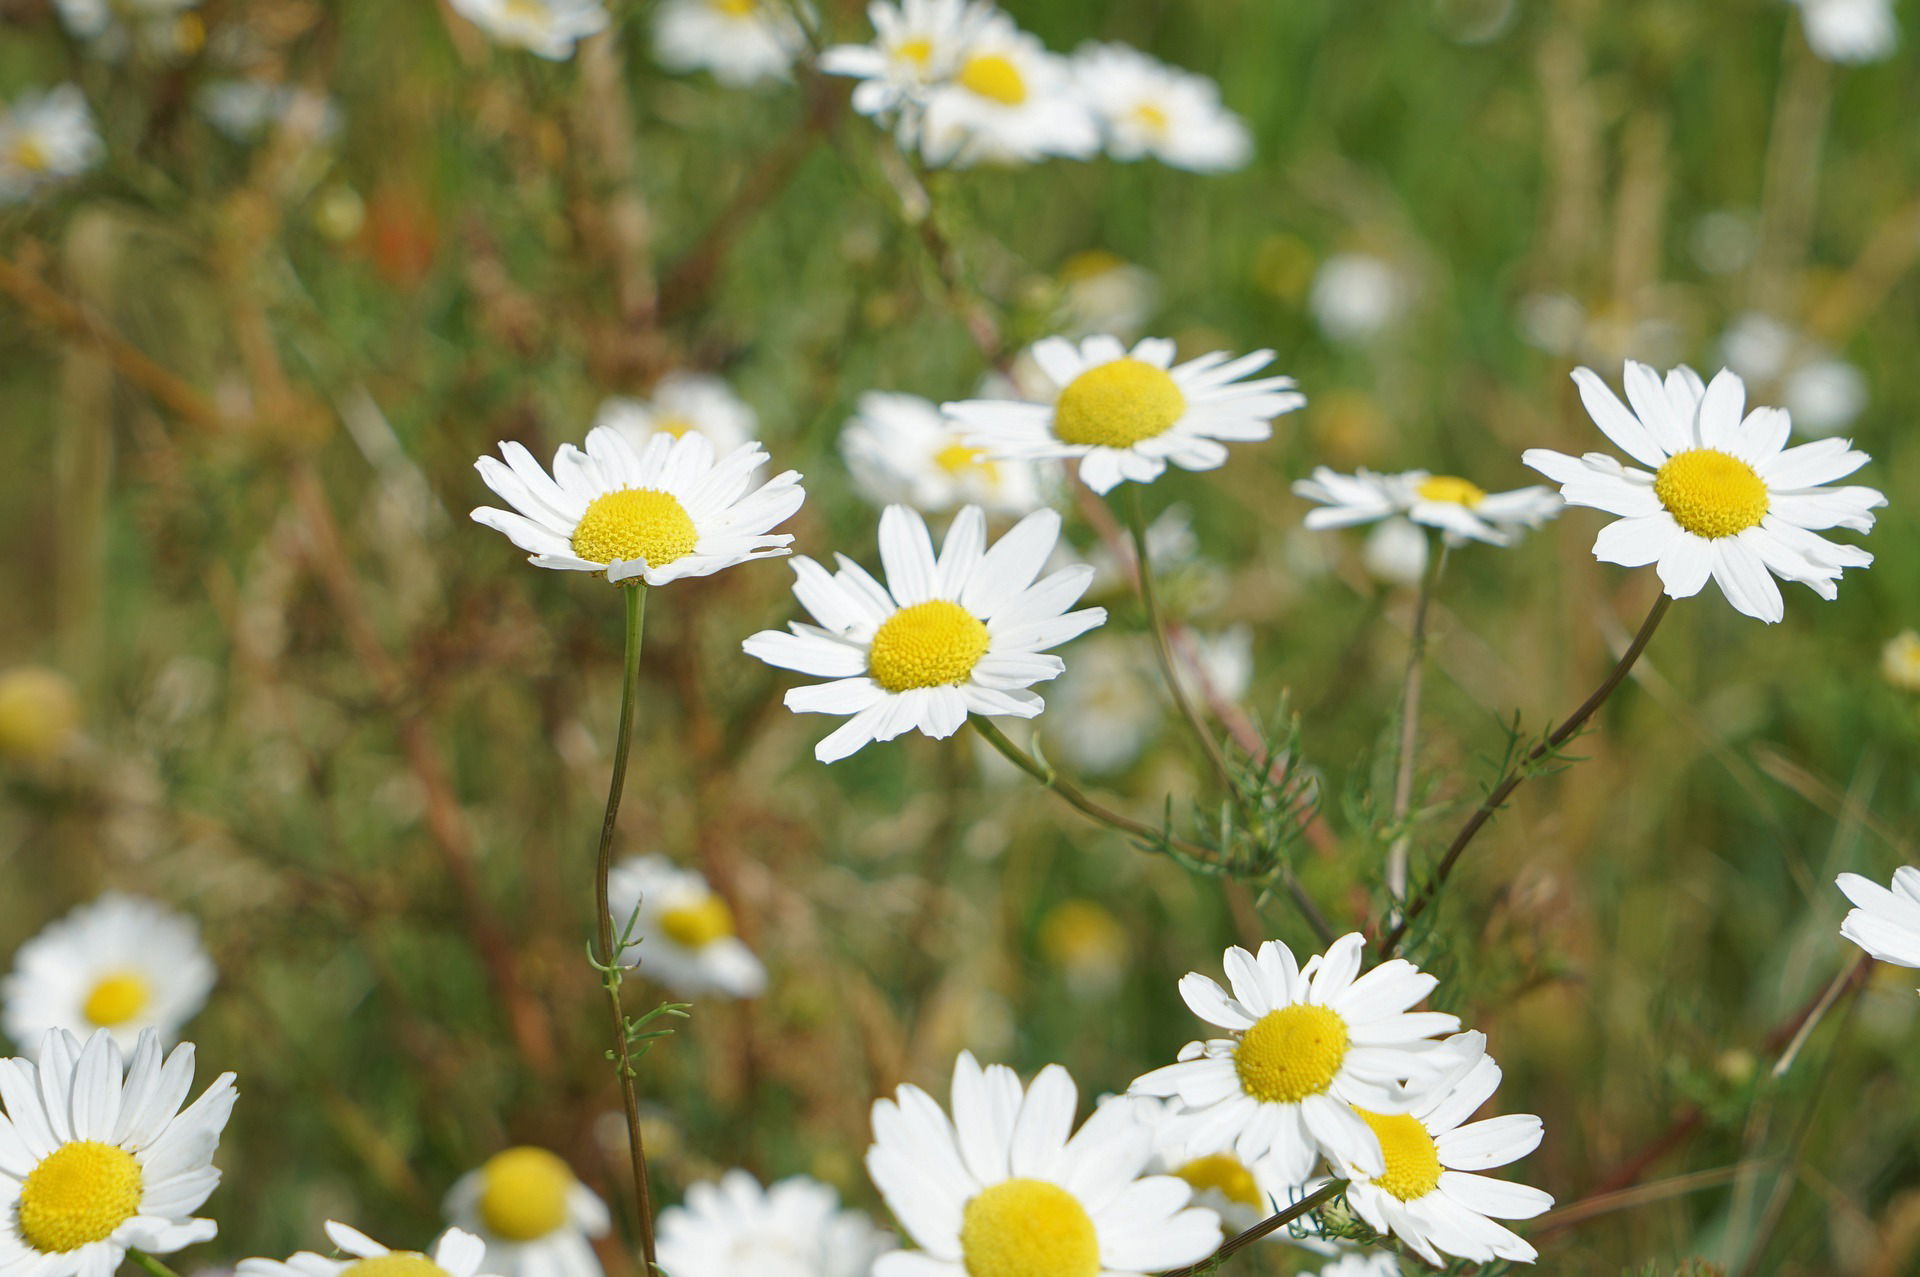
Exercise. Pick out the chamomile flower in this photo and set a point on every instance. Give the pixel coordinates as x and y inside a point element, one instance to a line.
<point>917,44</point>
<point>121,963</point>
<point>533,1214</point>
<point>1242,1192</point>
<point>1850,30</point>
<point>1461,509</point>
<point>659,513</point>
<point>1105,707</point>
<point>901,449</point>
<point>794,1228</point>
<point>1886,922</point>
<point>741,42</point>
<point>154,28</point>
<point>682,403</point>
<point>1722,495</point>
<point>1307,1046</point>
<point>963,633</point>
<point>1147,108</point>
<point>45,139</point>
<point>685,931</point>
<point>1004,1189</point>
<point>1356,296</point>
<point>97,1157</point>
<point>456,1254</point>
<point>1900,661</point>
<point>1009,101</point>
<point>1395,552</point>
<point>1427,1194</point>
<point>1124,415</point>
<point>1372,1263</point>
<point>546,28</point>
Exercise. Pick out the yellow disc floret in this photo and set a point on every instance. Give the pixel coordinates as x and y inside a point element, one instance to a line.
<point>1028,1228</point>
<point>930,644</point>
<point>523,1194</point>
<point>917,50</point>
<point>1450,489</point>
<point>1291,1053</point>
<point>1117,405</point>
<point>397,1263</point>
<point>1413,1162</point>
<point>736,8</point>
<point>995,78</point>
<point>1711,494</point>
<point>1224,1174</point>
<point>79,1193</point>
<point>31,156</point>
<point>958,459</point>
<point>699,923</point>
<point>1152,118</point>
<point>39,712</point>
<point>116,999</point>
<point>635,523</point>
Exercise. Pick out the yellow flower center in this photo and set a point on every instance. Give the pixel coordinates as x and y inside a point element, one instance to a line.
<point>529,10</point>
<point>917,50</point>
<point>1711,494</point>
<point>396,1263</point>
<point>1450,489</point>
<point>735,8</point>
<point>1413,1162</point>
<point>957,459</point>
<point>79,1193</point>
<point>635,523</point>
<point>116,999</point>
<point>189,33</point>
<point>524,1194</point>
<point>673,425</point>
<point>38,712</point>
<point>1076,932</point>
<point>1291,1053</point>
<point>927,645</point>
<point>995,78</point>
<point>1151,117</point>
<point>1028,1228</point>
<point>697,925</point>
<point>1117,405</point>
<point>31,156</point>
<point>1225,1174</point>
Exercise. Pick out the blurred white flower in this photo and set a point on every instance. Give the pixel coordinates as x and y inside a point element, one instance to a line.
<point>1372,1263</point>
<point>1823,393</point>
<point>1356,296</point>
<point>794,1228</point>
<point>245,109</point>
<point>45,138</point>
<point>1395,553</point>
<point>1900,661</point>
<point>1724,240</point>
<point>1102,293</point>
<point>1458,507</point>
<point>121,963</point>
<point>1009,102</point>
<point>685,931</point>
<point>1850,31</point>
<point>548,28</point>
<point>1758,346</point>
<point>1242,1192</point>
<point>1147,108</point>
<point>153,28</point>
<point>456,1254</point>
<point>683,402</point>
<point>741,42</point>
<point>1106,707</point>
<point>900,449</point>
<point>917,44</point>
<point>533,1213</point>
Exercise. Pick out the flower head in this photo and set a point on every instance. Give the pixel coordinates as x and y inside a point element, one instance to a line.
<point>1885,922</point>
<point>917,45</point>
<point>1241,1191</point>
<point>162,29</point>
<point>685,931</point>
<point>45,139</point>
<point>683,403</point>
<point>1147,108</point>
<point>1356,296</point>
<point>120,964</point>
<point>795,1228</point>
<point>1458,507</point>
<point>1008,101</point>
<point>741,42</point>
<point>456,1254</point>
<point>547,28</point>
<point>1850,30</point>
<point>534,1216</point>
<point>901,449</point>
<point>1900,661</point>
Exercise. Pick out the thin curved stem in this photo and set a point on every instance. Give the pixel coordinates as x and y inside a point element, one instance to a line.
<point>1410,725</point>
<point>152,1265</point>
<point>1271,1224</point>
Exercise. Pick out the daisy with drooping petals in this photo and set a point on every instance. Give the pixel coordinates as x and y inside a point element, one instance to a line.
<point>682,403</point>
<point>1005,1188</point>
<point>121,963</point>
<point>1009,101</point>
<point>685,930</point>
<point>1885,923</point>
<point>534,1216</point>
<point>1124,415</point>
<point>900,449</point>
<point>1149,108</point>
<point>917,44</point>
<point>1308,1046</point>
<point>1458,507</point>
<point>1427,1194</point>
<point>1722,495</point>
<point>456,1254</point>
<point>964,633</point>
<point>665,511</point>
<point>546,28</point>
<point>795,1228</point>
<point>45,139</point>
<point>741,42</point>
<point>98,1158</point>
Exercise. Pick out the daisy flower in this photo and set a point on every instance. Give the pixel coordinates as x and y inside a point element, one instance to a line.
<point>1885,923</point>
<point>683,402</point>
<point>1722,495</point>
<point>1305,1046</point>
<point>97,1157</point>
<point>456,1254</point>
<point>658,513</point>
<point>1148,108</point>
<point>1850,30</point>
<point>742,42</point>
<point>1002,1189</point>
<point>1426,1194</point>
<point>1106,707</point>
<point>685,931</point>
<point>45,138</point>
<point>546,28</point>
<point>1123,415</point>
<point>795,1228</point>
<point>121,963</point>
<point>1395,553</point>
<point>1355,296</point>
<point>533,1215</point>
<point>1373,1263</point>
<point>900,449</point>
<point>1242,1192</point>
<point>1458,507</point>
<point>113,28</point>
<point>964,633</point>
<point>1008,102</point>
<point>916,45</point>
<point>1899,662</point>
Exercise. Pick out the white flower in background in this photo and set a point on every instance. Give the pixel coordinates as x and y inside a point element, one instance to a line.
<point>1373,1263</point>
<point>535,1217</point>
<point>1824,395</point>
<point>917,44</point>
<point>1900,661</point>
<point>1103,293</point>
<point>1172,547</point>
<point>1850,30</point>
<point>1307,1047</point>
<point>1395,553</point>
<point>456,1254</point>
<point>1427,1194</point>
<point>121,963</point>
<point>1124,415</point>
<point>45,138</point>
<point>659,513</point>
<point>1357,295</point>
<point>685,930</point>
<point>1241,1192</point>
<point>682,403</point>
<point>1225,660</point>
<point>1147,108</point>
<point>902,450</point>
<point>1458,507</point>
<point>741,42</point>
<point>1886,923</point>
<point>1758,346</point>
<point>964,633</point>
<point>1006,1189</point>
<point>154,28</point>
<point>794,1228</point>
<point>1008,102</point>
<point>97,1157</point>
<point>1722,496</point>
<point>243,110</point>
<point>547,28</point>
<point>1105,707</point>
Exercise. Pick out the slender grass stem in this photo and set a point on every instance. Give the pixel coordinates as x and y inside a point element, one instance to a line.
<point>1271,1224</point>
<point>1396,869</point>
<point>152,1265</point>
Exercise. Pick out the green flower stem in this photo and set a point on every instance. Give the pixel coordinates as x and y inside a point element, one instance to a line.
<point>1067,790</point>
<point>152,1265</point>
<point>1410,725</point>
<point>1271,1224</point>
